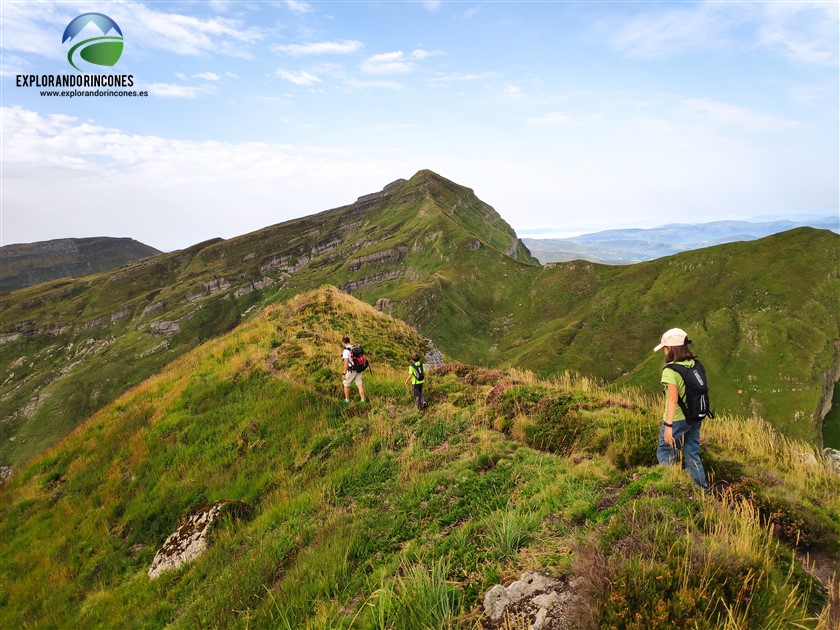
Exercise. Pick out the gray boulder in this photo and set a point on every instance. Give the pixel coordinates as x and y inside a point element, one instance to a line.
<point>537,598</point>
<point>190,540</point>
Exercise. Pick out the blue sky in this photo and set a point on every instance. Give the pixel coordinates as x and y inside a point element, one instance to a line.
<point>568,116</point>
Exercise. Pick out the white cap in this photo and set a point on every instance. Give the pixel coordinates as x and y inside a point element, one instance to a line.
<point>673,337</point>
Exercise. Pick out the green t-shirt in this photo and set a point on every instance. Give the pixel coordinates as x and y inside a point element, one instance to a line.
<point>673,378</point>
<point>413,373</point>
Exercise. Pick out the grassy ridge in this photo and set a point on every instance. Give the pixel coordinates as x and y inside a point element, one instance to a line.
<point>764,314</point>
<point>382,518</point>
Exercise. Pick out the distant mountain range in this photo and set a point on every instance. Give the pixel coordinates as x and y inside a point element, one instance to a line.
<point>23,265</point>
<point>625,247</point>
<point>765,315</point>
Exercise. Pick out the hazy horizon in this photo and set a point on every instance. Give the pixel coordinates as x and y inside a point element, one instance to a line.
<point>555,113</point>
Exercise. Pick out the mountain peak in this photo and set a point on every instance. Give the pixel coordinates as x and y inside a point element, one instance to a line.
<point>461,205</point>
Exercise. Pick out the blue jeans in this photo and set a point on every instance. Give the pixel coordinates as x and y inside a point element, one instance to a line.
<point>687,444</point>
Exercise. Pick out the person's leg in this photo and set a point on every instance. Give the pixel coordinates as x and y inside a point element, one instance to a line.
<point>360,386</point>
<point>692,455</point>
<point>346,380</point>
<point>422,401</point>
<point>665,453</point>
<point>418,395</point>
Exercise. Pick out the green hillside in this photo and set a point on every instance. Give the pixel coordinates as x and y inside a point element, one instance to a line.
<point>380,517</point>
<point>764,314</point>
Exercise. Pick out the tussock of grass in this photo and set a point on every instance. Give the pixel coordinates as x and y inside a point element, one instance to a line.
<point>382,517</point>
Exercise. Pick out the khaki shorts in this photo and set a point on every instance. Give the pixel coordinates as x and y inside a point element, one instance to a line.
<point>352,377</point>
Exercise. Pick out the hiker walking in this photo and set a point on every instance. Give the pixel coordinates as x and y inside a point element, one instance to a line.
<point>686,405</point>
<point>417,376</point>
<point>351,374</point>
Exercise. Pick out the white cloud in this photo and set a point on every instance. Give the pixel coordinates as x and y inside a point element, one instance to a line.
<point>296,6</point>
<point>421,54</point>
<point>556,120</point>
<point>220,6</point>
<point>463,77</point>
<point>431,5</point>
<point>201,189</point>
<point>717,113</point>
<point>365,84</point>
<point>675,31</point>
<point>30,27</point>
<point>298,78</point>
<point>207,76</point>
<point>804,31</point>
<point>185,34</point>
<point>173,90</point>
<point>14,64</point>
<point>319,48</point>
<point>388,63</point>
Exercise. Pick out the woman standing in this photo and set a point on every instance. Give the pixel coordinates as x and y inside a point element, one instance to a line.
<point>677,436</point>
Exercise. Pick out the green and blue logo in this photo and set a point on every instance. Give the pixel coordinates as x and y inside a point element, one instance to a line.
<point>100,51</point>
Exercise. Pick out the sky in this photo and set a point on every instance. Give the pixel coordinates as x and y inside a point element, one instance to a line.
<point>566,117</point>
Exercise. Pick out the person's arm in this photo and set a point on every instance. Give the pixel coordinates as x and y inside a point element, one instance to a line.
<point>408,378</point>
<point>670,412</point>
<point>346,362</point>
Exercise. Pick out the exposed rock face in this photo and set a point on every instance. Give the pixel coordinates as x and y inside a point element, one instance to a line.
<point>353,285</point>
<point>26,264</point>
<point>216,285</point>
<point>830,378</point>
<point>541,600</point>
<point>433,358</point>
<point>164,327</point>
<point>190,539</point>
<point>386,255</point>
<point>474,245</point>
<point>514,246</point>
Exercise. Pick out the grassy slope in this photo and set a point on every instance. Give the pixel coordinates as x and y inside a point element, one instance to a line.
<point>757,302</point>
<point>381,518</point>
<point>100,341</point>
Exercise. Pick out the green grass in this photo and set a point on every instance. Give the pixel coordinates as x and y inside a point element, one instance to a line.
<point>381,517</point>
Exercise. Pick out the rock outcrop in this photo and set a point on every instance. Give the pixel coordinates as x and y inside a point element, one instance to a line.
<point>433,357</point>
<point>190,540</point>
<point>353,285</point>
<point>541,601</point>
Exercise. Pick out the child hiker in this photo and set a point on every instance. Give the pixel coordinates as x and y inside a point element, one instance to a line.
<point>416,376</point>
